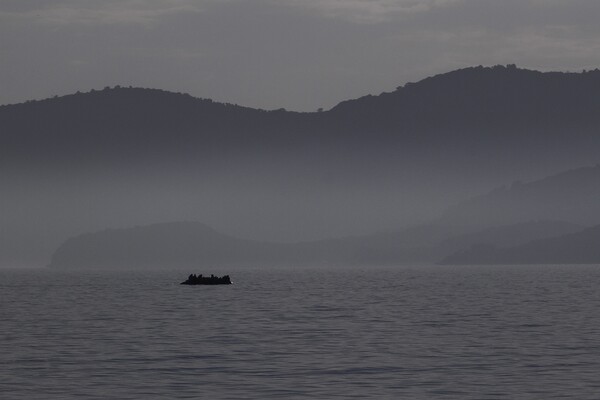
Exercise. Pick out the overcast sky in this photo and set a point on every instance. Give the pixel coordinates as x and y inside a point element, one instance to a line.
<point>297,54</point>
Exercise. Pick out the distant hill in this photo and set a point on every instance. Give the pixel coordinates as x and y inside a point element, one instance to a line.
<point>484,108</point>
<point>572,196</point>
<point>123,156</point>
<point>187,245</point>
<point>429,243</point>
<point>577,248</point>
<point>190,244</point>
<point>507,235</point>
<point>484,101</point>
<point>116,124</point>
<point>168,245</point>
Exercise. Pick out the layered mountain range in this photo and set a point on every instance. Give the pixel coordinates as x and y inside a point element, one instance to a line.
<point>192,244</point>
<point>575,248</point>
<point>453,238</point>
<point>401,162</point>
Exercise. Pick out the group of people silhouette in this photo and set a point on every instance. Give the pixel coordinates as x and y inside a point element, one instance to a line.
<point>194,279</point>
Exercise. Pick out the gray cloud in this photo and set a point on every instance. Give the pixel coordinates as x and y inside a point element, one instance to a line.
<point>298,54</point>
<point>99,13</point>
<point>370,11</point>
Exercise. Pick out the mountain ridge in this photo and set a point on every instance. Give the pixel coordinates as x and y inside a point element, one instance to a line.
<point>188,244</point>
<point>477,95</point>
<point>572,195</point>
<point>121,157</point>
<point>575,248</point>
<point>452,78</point>
<point>507,108</point>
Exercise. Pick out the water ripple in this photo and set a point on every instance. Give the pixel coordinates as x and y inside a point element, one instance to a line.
<point>417,333</point>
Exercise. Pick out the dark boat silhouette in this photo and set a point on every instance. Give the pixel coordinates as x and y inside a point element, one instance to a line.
<point>207,280</point>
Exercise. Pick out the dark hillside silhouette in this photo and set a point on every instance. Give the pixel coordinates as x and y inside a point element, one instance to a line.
<point>572,196</point>
<point>506,235</point>
<point>506,99</point>
<point>576,248</point>
<point>180,244</point>
<point>191,244</point>
<point>474,108</point>
<point>121,156</point>
<point>124,124</point>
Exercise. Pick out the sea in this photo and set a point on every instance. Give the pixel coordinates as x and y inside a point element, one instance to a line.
<point>407,332</point>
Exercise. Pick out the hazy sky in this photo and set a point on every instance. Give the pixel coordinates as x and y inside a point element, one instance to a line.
<point>297,54</point>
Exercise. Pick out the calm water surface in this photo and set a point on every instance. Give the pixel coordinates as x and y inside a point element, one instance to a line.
<point>408,332</point>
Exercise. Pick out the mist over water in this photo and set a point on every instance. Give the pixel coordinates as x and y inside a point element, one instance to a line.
<point>416,332</point>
